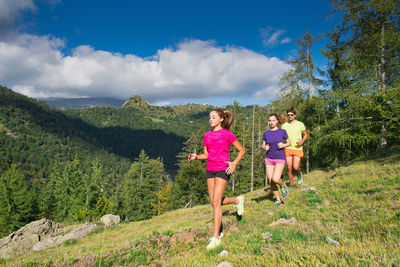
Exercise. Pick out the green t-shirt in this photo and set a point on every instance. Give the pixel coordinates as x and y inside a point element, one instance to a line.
<point>294,131</point>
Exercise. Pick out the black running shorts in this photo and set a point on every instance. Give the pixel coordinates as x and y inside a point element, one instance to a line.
<point>220,174</point>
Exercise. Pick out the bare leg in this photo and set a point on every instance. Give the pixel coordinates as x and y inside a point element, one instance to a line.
<point>230,200</point>
<point>289,161</point>
<point>270,172</point>
<point>218,188</point>
<point>276,177</point>
<point>296,164</point>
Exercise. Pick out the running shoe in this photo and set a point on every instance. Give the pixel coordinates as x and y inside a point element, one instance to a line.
<point>291,187</point>
<point>278,203</point>
<point>214,243</point>
<point>240,206</point>
<point>300,178</point>
<point>285,191</point>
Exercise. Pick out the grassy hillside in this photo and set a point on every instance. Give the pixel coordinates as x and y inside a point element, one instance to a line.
<point>357,205</point>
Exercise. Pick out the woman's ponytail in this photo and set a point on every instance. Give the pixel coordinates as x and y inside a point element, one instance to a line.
<point>227,117</point>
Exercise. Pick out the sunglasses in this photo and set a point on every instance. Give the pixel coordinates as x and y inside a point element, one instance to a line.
<point>291,115</point>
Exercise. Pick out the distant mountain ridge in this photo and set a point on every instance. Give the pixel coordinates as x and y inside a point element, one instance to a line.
<point>139,103</point>
<point>78,103</point>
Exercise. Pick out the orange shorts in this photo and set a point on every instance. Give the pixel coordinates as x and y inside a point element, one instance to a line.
<point>294,153</point>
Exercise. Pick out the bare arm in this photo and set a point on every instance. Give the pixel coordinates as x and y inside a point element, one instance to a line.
<point>286,144</point>
<point>232,165</point>
<point>265,146</point>
<point>305,136</point>
<point>203,156</point>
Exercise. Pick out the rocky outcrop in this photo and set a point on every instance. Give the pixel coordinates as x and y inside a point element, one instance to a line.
<point>39,235</point>
<point>110,219</point>
<point>76,234</point>
<point>22,240</point>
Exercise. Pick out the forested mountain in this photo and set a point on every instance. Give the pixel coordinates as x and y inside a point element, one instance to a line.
<point>49,158</point>
<point>66,103</point>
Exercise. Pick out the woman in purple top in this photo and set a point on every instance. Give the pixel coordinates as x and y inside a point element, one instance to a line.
<point>275,159</point>
<point>219,168</point>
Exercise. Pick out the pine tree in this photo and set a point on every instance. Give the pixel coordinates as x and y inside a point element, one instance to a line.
<point>15,201</point>
<point>144,177</point>
<point>190,187</point>
<point>47,200</point>
<point>162,199</point>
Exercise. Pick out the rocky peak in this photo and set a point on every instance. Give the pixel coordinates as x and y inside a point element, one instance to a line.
<point>137,102</point>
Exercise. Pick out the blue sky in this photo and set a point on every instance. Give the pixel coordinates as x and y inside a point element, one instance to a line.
<point>170,52</point>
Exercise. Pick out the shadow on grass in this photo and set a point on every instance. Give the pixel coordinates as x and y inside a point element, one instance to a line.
<point>268,196</point>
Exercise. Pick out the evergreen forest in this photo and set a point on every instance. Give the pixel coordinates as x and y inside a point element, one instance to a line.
<point>76,165</point>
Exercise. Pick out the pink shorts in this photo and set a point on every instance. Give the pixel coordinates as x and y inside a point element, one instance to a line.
<point>269,161</point>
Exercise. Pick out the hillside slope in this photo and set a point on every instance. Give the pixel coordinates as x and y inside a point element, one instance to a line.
<point>356,205</point>
<point>34,135</point>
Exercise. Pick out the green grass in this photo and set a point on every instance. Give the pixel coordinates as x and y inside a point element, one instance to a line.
<point>357,205</point>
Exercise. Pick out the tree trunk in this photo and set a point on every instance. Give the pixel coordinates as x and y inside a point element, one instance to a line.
<point>259,133</point>
<point>141,171</point>
<point>308,71</point>
<point>252,155</point>
<point>382,83</point>
<point>308,160</point>
<point>382,63</point>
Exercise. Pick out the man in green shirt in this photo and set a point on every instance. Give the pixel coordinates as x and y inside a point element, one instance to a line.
<point>294,153</point>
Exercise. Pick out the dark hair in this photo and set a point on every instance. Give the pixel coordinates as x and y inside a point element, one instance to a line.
<point>291,110</point>
<point>276,117</point>
<point>273,115</point>
<point>226,115</point>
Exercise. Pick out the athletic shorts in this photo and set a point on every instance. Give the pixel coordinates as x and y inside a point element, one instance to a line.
<point>220,174</point>
<point>294,153</point>
<point>269,161</point>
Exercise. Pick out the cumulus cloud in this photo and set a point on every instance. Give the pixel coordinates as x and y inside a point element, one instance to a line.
<point>195,69</point>
<point>272,37</point>
<point>10,10</point>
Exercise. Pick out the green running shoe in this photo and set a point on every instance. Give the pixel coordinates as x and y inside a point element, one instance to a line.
<point>285,191</point>
<point>300,178</point>
<point>278,203</point>
<point>214,243</point>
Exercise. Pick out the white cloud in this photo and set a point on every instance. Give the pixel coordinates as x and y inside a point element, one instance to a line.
<point>35,66</point>
<point>10,11</point>
<point>272,37</point>
<point>195,69</point>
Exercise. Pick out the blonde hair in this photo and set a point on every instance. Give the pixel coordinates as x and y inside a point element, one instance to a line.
<point>283,118</point>
<point>227,117</point>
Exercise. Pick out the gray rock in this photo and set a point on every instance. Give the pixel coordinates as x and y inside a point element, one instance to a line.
<point>266,235</point>
<point>225,264</point>
<point>284,221</point>
<point>332,241</point>
<point>310,189</point>
<point>223,253</point>
<point>110,219</point>
<point>22,240</point>
<point>76,234</point>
